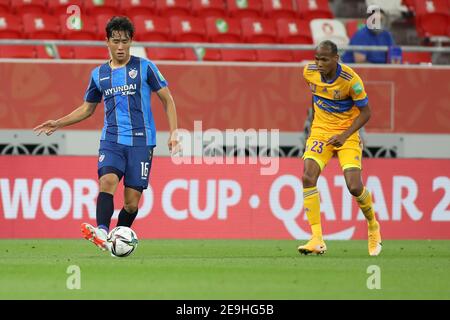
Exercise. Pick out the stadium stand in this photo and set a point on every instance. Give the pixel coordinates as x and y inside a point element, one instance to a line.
<point>308,22</point>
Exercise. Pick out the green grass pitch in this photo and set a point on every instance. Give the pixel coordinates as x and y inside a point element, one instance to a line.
<point>224,269</point>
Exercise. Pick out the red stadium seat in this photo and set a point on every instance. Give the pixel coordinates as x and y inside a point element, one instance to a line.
<point>41,26</point>
<point>172,8</point>
<point>294,31</point>
<point>314,9</point>
<point>151,28</point>
<point>244,8</point>
<point>259,30</point>
<point>238,55</point>
<point>187,29</point>
<point>104,7</point>
<point>354,25</point>
<point>10,26</point>
<point>65,52</point>
<point>432,17</point>
<point>85,29</point>
<point>274,55</point>
<point>18,52</point>
<point>165,53</point>
<point>102,21</point>
<point>410,4</point>
<point>275,9</point>
<point>226,30</point>
<point>416,57</point>
<point>4,6</point>
<point>28,6</point>
<point>131,8</point>
<point>205,55</point>
<point>59,7</point>
<point>91,53</point>
<point>208,8</point>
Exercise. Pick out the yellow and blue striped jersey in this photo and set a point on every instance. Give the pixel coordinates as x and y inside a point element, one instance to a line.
<point>336,102</point>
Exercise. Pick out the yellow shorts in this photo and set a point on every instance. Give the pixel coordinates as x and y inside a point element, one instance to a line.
<point>350,154</point>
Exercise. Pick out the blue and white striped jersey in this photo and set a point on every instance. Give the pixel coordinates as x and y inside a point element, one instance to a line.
<point>126,91</point>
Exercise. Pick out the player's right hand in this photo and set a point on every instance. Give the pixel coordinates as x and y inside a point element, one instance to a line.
<point>48,127</point>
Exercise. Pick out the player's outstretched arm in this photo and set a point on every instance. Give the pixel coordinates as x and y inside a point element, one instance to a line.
<point>169,106</point>
<point>358,123</point>
<point>79,114</point>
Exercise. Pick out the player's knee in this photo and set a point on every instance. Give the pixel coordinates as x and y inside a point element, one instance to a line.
<point>355,189</point>
<point>108,184</point>
<point>309,180</point>
<point>130,207</point>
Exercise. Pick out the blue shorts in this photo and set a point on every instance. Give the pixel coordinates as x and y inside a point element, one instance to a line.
<point>131,162</point>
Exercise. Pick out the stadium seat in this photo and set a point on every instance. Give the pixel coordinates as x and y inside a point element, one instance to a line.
<point>274,55</point>
<point>172,8</point>
<point>329,29</point>
<point>27,52</point>
<point>244,8</point>
<point>205,54</point>
<point>256,30</point>
<point>91,53</point>
<point>103,7</point>
<point>4,6</point>
<point>303,55</point>
<point>59,7</point>
<point>354,25</point>
<point>313,9</point>
<point>10,26</point>
<point>41,26</point>
<point>410,4</point>
<point>416,57</point>
<point>275,9</point>
<point>102,21</point>
<point>165,54</point>
<point>28,6</point>
<point>432,17</point>
<point>188,29</point>
<point>151,28</point>
<point>226,30</point>
<point>238,55</point>
<point>294,31</point>
<point>131,8</point>
<point>208,8</point>
<point>84,29</point>
<point>46,52</point>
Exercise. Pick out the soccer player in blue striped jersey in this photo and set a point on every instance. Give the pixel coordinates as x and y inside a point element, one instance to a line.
<point>128,136</point>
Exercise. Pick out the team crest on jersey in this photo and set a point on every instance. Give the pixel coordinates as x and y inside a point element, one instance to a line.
<point>337,94</point>
<point>101,158</point>
<point>133,73</point>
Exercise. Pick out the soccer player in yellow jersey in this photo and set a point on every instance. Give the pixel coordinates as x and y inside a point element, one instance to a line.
<point>341,108</point>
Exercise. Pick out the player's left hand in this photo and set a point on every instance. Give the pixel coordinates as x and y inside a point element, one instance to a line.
<point>337,140</point>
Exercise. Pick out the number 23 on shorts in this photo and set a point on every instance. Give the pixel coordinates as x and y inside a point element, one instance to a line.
<point>317,146</point>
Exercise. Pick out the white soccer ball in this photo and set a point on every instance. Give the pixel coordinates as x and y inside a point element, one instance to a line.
<point>123,241</point>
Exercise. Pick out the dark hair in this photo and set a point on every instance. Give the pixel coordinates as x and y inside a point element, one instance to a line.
<point>330,44</point>
<point>119,24</point>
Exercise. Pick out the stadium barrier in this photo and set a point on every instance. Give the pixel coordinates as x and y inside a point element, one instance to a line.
<point>49,197</point>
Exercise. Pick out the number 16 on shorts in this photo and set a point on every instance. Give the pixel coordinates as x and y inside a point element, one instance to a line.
<point>144,170</point>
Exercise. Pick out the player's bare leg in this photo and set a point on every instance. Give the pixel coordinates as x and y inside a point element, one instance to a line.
<point>364,200</point>
<point>311,173</point>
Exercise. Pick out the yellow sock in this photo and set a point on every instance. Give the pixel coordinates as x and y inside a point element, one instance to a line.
<point>311,203</point>
<point>366,206</point>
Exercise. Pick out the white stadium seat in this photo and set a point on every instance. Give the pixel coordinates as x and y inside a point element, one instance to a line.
<point>329,29</point>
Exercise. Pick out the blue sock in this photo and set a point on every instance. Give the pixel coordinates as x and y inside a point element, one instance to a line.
<point>105,210</point>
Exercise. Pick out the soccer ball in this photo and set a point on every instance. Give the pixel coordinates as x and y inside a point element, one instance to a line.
<point>123,241</point>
